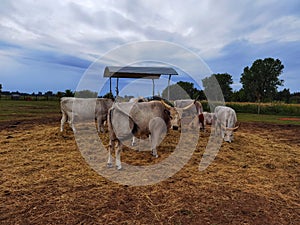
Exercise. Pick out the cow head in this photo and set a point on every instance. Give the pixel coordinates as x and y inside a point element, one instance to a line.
<point>176,114</point>
<point>209,118</point>
<point>228,133</point>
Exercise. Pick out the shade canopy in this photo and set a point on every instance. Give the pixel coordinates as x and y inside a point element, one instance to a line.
<point>138,72</point>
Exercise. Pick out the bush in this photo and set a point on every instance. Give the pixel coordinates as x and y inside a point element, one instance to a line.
<point>265,108</point>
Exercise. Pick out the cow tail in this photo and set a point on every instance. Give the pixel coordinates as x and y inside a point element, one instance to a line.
<point>109,116</point>
<point>135,128</point>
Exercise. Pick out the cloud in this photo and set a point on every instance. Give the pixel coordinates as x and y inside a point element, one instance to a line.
<point>206,25</point>
<point>76,32</point>
<point>284,29</point>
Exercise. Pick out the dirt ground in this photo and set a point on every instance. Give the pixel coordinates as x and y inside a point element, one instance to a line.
<point>253,180</point>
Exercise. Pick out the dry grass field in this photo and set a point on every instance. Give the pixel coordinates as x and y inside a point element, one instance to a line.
<point>45,180</point>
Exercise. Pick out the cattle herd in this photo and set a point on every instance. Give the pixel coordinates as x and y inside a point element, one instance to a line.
<point>141,118</point>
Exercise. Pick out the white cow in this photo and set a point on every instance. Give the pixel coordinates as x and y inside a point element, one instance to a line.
<point>208,118</point>
<point>136,100</point>
<point>191,107</point>
<point>84,108</point>
<point>225,122</point>
<point>139,119</point>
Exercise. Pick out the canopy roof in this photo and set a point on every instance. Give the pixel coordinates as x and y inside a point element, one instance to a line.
<point>138,72</point>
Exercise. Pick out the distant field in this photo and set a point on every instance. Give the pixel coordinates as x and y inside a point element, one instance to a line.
<point>272,108</point>
<point>20,110</point>
<point>275,119</point>
<point>16,110</point>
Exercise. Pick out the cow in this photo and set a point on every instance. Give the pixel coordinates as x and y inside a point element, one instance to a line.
<point>208,118</point>
<point>225,122</point>
<point>142,119</point>
<point>187,106</point>
<point>138,99</point>
<point>84,108</point>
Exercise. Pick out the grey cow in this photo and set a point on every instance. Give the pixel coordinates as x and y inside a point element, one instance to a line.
<point>138,119</point>
<point>84,108</point>
<point>192,107</point>
<point>225,122</point>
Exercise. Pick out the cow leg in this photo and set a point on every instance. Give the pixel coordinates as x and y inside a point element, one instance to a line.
<point>133,141</point>
<point>217,128</point>
<point>201,122</point>
<point>71,121</point>
<point>100,127</point>
<point>110,149</point>
<point>158,130</point>
<point>221,131</point>
<point>153,141</point>
<point>62,121</point>
<point>154,151</point>
<point>118,155</point>
<point>72,125</point>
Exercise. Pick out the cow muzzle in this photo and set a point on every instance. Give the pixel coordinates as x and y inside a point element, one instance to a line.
<point>175,127</point>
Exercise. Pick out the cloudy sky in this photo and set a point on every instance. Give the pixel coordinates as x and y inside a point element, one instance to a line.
<point>49,45</point>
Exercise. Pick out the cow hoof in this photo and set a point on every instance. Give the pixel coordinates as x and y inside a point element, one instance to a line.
<point>119,167</point>
<point>109,165</point>
<point>156,156</point>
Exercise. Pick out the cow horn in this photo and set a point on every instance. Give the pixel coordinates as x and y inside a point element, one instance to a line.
<point>189,106</point>
<point>233,129</point>
<point>239,124</point>
<point>166,105</point>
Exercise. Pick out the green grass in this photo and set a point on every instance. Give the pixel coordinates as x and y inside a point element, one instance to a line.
<point>17,109</point>
<point>274,108</point>
<point>275,119</point>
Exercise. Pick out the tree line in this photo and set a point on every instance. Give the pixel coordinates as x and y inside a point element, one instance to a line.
<point>50,95</point>
<point>260,83</point>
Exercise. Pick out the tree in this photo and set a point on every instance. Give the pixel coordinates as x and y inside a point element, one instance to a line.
<point>110,95</point>
<point>0,88</point>
<point>68,93</point>
<point>86,94</point>
<point>176,92</point>
<point>224,80</point>
<point>260,81</point>
<point>239,96</point>
<point>183,90</point>
<point>59,94</point>
<point>295,98</point>
<point>49,93</point>
<point>283,95</point>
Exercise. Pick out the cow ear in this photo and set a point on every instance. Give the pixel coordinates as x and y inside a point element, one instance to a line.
<point>168,113</point>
